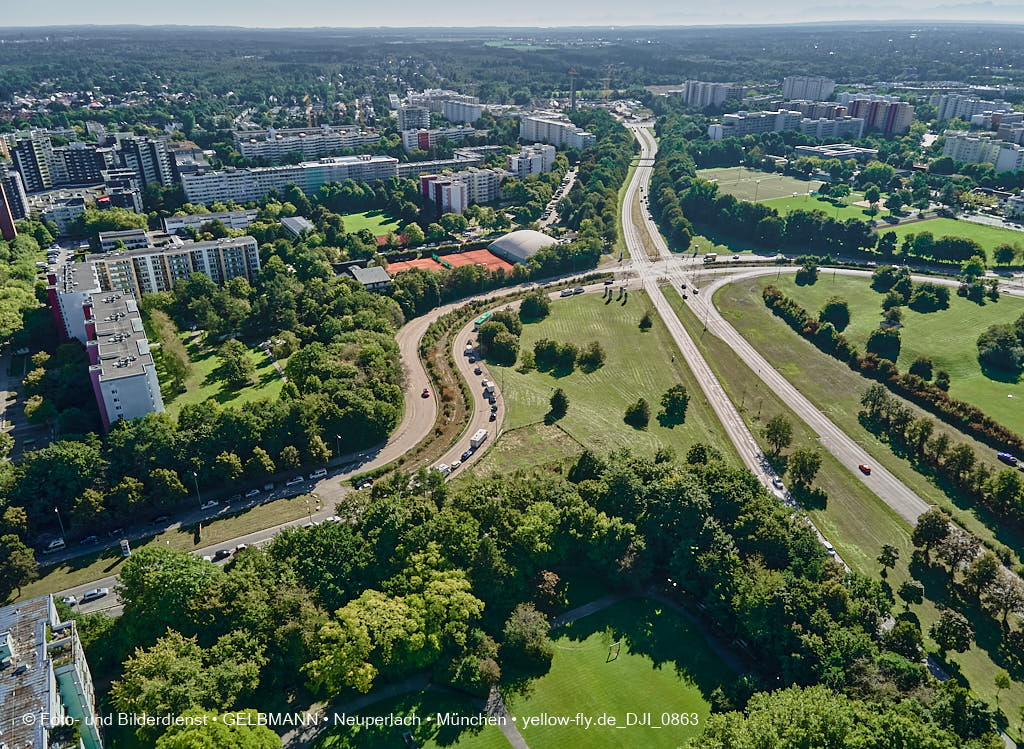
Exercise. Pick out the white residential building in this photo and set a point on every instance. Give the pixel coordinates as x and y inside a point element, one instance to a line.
<point>815,87</point>
<point>536,159</point>
<point>424,140</point>
<point>953,106</point>
<point>230,219</point>
<point>460,112</point>
<point>310,143</point>
<point>702,94</point>
<point>243,185</point>
<point>413,118</point>
<point>550,128</point>
<point>63,211</point>
<point>434,99</point>
<point>841,127</point>
<point>739,124</point>
<point>452,193</point>
<point>971,148</point>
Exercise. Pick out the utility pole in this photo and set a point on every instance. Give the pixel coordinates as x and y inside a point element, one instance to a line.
<point>59,522</point>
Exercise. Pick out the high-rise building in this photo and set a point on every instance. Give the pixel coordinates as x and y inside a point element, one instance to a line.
<point>310,143</point>
<point>959,106</point>
<point>536,159</point>
<point>889,117</point>
<point>815,87</point>
<point>8,230</point>
<point>424,140</point>
<point>149,159</point>
<point>452,193</point>
<point>738,124</point>
<point>702,94</point>
<point>462,113</point>
<point>243,185</point>
<point>14,190</point>
<point>84,163</point>
<point>34,159</point>
<point>47,699</point>
<point>825,127</point>
<point>552,129</point>
<point>413,118</point>
<point>231,219</point>
<point>983,148</point>
<point>434,98</point>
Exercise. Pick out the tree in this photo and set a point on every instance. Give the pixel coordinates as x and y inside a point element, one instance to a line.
<point>922,367</point>
<point>803,466</point>
<point>1004,254</point>
<point>559,403</point>
<point>17,565</point>
<point>165,488</point>
<point>973,268</point>
<point>535,306</point>
<point>228,467</point>
<point>207,731</point>
<point>592,356</point>
<point>289,457</point>
<point>526,635</point>
<point>260,464</point>
<point>911,591</point>
<point>638,414</point>
<point>885,343</point>
<point>645,321</point>
<point>778,432</point>
<point>952,632</point>
<point>837,312</point>
<point>894,202</point>
<point>414,235</point>
<point>504,348</point>
<point>237,367</point>
<point>942,379</point>
<point>1001,682</point>
<point>872,194</point>
<point>673,405</point>
<point>888,557</point>
<point>982,573</point>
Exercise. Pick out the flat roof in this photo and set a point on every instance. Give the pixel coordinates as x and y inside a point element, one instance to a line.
<point>371,275</point>
<point>121,342</point>
<point>29,691</point>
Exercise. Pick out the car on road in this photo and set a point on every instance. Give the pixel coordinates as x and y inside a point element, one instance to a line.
<point>478,371</point>
<point>686,296</point>
<point>472,360</point>
<point>116,532</point>
<point>777,483</point>
<point>682,285</point>
<point>494,407</point>
<point>241,547</point>
<point>830,548</point>
<point>94,594</point>
<point>566,292</point>
<point>578,290</point>
<point>735,257</point>
<point>309,525</point>
<point>456,464</point>
<point>608,282</point>
<point>221,554</point>
<point>332,519</point>
<point>425,393</point>
<point>319,473</point>
<point>88,540</point>
<point>494,416</point>
<point>209,504</point>
<point>252,493</point>
<point>865,469</point>
<point>365,484</point>
<point>466,455</point>
<point>69,600</point>
<point>695,290</point>
<point>295,481</point>
<point>1007,458</point>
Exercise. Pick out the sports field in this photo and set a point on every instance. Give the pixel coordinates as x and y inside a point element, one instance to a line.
<point>636,656</point>
<point>948,336</point>
<point>751,184</point>
<point>842,210</point>
<point>637,364</point>
<point>989,237</point>
<point>378,222</point>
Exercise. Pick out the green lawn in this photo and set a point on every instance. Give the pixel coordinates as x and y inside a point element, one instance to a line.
<point>378,222</point>
<point>205,380</point>
<point>426,705</point>
<point>842,210</point>
<point>987,236</point>
<point>91,567</point>
<point>531,446</point>
<point>662,666</point>
<point>743,183</point>
<point>637,364</point>
<point>854,519</point>
<point>948,336</point>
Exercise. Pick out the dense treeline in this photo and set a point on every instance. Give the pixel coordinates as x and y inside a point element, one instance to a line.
<point>461,581</point>
<point>930,396</point>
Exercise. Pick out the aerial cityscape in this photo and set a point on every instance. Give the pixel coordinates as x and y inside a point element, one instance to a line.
<point>428,378</point>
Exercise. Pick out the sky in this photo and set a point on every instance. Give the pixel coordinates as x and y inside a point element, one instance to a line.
<point>521,13</point>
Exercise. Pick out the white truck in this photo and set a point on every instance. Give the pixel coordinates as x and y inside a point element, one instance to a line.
<point>488,387</point>
<point>478,438</point>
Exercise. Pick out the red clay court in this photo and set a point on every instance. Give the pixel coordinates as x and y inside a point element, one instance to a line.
<point>456,259</point>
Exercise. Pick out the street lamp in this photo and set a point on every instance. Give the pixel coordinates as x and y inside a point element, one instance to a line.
<point>337,438</point>
<point>757,186</point>
<point>61,524</point>
<point>199,498</point>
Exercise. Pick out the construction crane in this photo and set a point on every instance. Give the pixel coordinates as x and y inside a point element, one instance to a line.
<point>572,88</point>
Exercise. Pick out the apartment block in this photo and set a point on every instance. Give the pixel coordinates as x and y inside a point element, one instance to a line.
<point>554,130</point>
<point>954,106</point>
<point>889,117</point>
<point>230,219</point>
<point>433,99</point>
<point>413,118</point>
<point>702,94</point>
<point>453,193</point>
<point>424,140</point>
<point>536,159</point>
<point>44,675</point>
<point>127,239</point>
<point>310,143</point>
<point>841,151</point>
<point>461,113</point>
<point>149,159</point>
<point>738,124</point>
<point>840,127</point>
<point>33,157</point>
<point>14,193</point>
<point>243,185</point>
<point>464,157</point>
<point>63,211</point>
<point>1015,206</point>
<point>816,87</point>
<point>972,148</point>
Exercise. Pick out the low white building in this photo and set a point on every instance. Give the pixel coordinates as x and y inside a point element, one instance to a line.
<point>230,219</point>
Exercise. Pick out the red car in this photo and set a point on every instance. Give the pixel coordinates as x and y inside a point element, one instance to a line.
<point>865,469</point>
<point>426,393</point>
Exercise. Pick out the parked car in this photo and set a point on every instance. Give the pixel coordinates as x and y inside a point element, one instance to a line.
<point>241,547</point>
<point>865,469</point>
<point>116,532</point>
<point>69,600</point>
<point>494,416</point>
<point>456,464</point>
<point>478,371</point>
<point>777,483</point>
<point>295,481</point>
<point>578,290</point>
<point>466,455</point>
<point>608,282</point>
<point>252,493</point>
<point>830,549</point>
<point>221,554</point>
<point>494,407</point>
<point>94,594</point>
<point>425,393</point>
<point>309,525</point>
<point>332,519</point>
<point>89,540</point>
<point>209,504</point>
<point>319,473</point>
<point>1007,458</point>
<point>269,486</point>
<point>566,292</point>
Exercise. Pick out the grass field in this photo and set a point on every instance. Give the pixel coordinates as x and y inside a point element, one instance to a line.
<point>427,735</point>
<point>949,337</point>
<point>743,183</point>
<point>532,446</point>
<point>663,666</point>
<point>378,222</point>
<point>205,380</point>
<point>842,211</point>
<point>855,520</point>
<point>638,364</point>
<point>989,237</point>
<point>91,567</point>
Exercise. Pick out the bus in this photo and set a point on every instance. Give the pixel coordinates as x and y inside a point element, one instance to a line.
<point>481,320</point>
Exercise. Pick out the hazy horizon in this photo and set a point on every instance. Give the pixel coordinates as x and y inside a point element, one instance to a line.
<point>527,14</point>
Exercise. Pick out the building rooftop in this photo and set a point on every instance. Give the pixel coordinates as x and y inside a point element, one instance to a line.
<point>79,277</point>
<point>120,338</point>
<point>25,681</point>
<point>171,244</point>
<point>371,275</point>
<point>295,225</point>
<point>520,245</point>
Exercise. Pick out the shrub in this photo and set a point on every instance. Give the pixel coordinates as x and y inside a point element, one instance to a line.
<point>638,414</point>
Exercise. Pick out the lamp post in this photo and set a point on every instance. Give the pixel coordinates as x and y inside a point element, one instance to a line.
<point>59,522</point>
<point>337,439</point>
<point>757,186</point>
<point>195,477</point>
